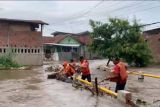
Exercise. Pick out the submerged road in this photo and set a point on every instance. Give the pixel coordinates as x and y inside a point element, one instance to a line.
<point>30,88</point>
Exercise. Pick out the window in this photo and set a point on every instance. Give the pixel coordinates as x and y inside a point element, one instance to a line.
<point>15,50</point>
<point>25,50</point>
<point>18,50</point>
<point>32,50</point>
<point>38,50</point>
<point>75,49</point>
<point>28,50</point>
<point>35,50</point>
<point>4,50</point>
<point>33,28</point>
<point>21,50</point>
<point>0,50</point>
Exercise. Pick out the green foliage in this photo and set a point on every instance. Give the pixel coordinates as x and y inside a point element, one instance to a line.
<point>119,38</point>
<point>7,62</point>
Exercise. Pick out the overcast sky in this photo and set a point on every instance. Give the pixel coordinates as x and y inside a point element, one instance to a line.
<point>73,16</point>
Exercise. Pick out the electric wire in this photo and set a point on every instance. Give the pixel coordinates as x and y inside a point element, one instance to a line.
<point>123,7</point>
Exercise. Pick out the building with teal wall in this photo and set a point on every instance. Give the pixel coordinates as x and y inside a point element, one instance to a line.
<point>67,46</point>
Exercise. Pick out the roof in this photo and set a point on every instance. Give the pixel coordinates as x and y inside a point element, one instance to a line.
<point>67,33</point>
<point>61,33</point>
<point>47,39</point>
<point>152,31</point>
<point>83,39</point>
<point>21,39</point>
<point>55,39</point>
<point>24,21</point>
<point>84,33</point>
<point>71,45</point>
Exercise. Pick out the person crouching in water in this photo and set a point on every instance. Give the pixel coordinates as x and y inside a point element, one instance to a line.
<point>120,74</point>
<point>66,73</point>
<point>84,64</point>
<point>73,63</point>
<point>68,69</point>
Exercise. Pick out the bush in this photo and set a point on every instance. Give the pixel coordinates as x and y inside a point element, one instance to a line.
<point>6,61</point>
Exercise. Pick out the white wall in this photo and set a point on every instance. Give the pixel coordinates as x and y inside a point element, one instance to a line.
<point>27,58</point>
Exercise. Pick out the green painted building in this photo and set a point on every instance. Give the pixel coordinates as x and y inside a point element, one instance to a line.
<point>65,48</point>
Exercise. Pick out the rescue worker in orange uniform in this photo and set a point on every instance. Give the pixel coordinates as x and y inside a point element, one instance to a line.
<point>84,64</point>
<point>120,71</point>
<point>68,70</point>
<point>72,63</point>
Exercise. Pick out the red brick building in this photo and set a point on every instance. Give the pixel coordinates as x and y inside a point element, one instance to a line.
<point>23,38</point>
<point>153,39</point>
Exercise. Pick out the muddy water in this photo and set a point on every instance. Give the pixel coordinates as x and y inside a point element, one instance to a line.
<point>22,89</point>
<point>30,88</point>
<point>147,90</point>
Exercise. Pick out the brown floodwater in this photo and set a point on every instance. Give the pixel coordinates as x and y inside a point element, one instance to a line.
<point>31,88</point>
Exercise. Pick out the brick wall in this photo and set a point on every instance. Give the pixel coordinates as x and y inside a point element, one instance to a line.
<point>21,39</point>
<point>154,44</point>
<point>4,26</point>
<point>25,44</point>
<point>20,27</point>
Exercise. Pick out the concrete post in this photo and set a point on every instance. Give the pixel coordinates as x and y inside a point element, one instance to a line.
<point>124,96</point>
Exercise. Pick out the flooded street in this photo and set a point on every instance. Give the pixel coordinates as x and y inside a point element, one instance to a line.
<point>23,89</point>
<point>30,88</point>
<point>48,48</point>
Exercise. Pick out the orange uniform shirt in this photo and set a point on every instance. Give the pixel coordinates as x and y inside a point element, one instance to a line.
<point>120,69</point>
<point>85,67</point>
<point>68,70</point>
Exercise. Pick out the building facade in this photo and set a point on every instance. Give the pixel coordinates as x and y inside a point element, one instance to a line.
<point>23,39</point>
<point>64,46</point>
<point>153,39</point>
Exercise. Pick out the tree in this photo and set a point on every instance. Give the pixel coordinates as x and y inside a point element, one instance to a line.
<point>119,38</point>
